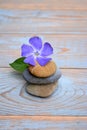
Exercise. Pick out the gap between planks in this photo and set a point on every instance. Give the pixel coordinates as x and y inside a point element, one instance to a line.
<point>47,34</point>
<point>6,67</point>
<point>44,5</point>
<point>55,118</point>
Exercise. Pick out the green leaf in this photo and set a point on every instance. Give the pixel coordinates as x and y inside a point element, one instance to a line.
<point>19,64</point>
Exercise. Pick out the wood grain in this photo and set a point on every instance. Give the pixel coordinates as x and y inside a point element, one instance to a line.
<point>42,123</point>
<point>64,25</point>
<point>44,5</point>
<point>69,99</point>
<point>69,50</point>
<point>47,22</point>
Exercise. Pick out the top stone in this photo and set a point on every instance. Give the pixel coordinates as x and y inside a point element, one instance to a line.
<point>43,71</point>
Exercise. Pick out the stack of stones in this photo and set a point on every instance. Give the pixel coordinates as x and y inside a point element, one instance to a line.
<point>42,80</point>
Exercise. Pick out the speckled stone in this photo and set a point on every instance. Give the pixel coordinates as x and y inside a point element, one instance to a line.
<point>43,71</point>
<point>42,90</point>
<point>35,80</point>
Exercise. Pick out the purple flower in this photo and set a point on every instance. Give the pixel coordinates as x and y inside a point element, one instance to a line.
<point>35,51</point>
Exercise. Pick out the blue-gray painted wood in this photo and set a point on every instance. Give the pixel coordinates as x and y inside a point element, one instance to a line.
<point>69,50</point>
<point>69,99</point>
<point>45,123</point>
<point>47,22</point>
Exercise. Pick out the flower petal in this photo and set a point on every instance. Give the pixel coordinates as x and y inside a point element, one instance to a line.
<point>30,60</point>
<point>26,50</point>
<point>47,50</point>
<point>36,42</point>
<point>43,61</point>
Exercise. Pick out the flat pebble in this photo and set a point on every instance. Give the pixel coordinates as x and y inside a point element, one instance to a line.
<point>35,80</point>
<point>41,90</point>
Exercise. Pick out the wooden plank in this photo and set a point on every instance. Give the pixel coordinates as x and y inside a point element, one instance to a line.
<point>47,22</point>
<point>69,99</point>
<point>55,14</point>
<point>44,5</point>
<point>69,50</point>
<point>43,122</point>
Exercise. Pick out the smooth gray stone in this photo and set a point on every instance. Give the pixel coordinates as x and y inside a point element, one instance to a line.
<point>35,80</point>
<point>42,90</point>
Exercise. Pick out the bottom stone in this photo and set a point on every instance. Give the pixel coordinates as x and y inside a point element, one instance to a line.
<point>41,90</point>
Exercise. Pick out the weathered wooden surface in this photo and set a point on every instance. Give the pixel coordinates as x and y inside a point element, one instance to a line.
<point>44,5</point>
<point>43,123</point>
<point>69,99</point>
<point>64,24</point>
<point>69,50</point>
<point>48,22</point>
